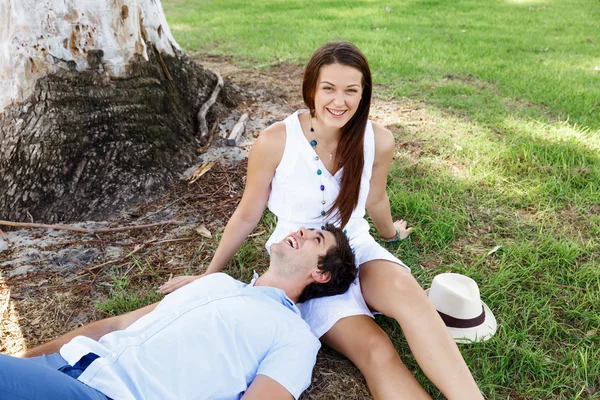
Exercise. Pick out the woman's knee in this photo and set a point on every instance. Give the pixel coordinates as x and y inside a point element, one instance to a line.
<point>384,276</point>
<point>361,340</point>
<point>404,281</point>
<point>376,352</point>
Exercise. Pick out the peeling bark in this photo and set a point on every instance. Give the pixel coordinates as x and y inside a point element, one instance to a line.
<point>87,141</point>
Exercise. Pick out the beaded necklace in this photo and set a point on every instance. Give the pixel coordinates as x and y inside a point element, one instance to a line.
<point>320,165</point>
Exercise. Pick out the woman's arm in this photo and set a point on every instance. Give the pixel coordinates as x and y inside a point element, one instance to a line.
<point>378,202</point>
<point>264,158</point>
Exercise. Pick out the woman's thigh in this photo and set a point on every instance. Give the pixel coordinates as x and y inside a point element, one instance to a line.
<point>359,338</point>
<point>389,288</point>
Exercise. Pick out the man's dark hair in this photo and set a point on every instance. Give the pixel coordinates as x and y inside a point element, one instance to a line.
<point>339,262</point>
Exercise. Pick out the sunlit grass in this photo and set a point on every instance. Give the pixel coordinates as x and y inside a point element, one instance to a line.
<point>506,55</point>
<point>532,188</point>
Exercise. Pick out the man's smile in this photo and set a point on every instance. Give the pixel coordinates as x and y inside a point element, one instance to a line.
<point>292,241</point>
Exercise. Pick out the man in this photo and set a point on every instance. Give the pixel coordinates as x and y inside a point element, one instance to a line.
<point>216,338</point>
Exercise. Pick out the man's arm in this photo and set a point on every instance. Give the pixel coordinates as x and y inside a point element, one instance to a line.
<point>265,388</point>
<point>95,331</point>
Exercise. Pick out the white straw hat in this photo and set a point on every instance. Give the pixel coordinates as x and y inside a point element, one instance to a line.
<point>456,298</point>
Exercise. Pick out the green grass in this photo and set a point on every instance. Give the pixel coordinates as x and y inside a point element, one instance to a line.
<point>534,189</point>
<point>506,152</point>
<point>125,297</point>
<point>485,59</point>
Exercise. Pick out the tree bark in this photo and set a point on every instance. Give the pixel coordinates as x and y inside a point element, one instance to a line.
<point>95,124</point>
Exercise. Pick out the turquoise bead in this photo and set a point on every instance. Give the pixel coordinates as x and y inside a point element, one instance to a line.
<point>345,232</point>
<point>322,212</point>
<point>319,172</point>
<point>313,143</point>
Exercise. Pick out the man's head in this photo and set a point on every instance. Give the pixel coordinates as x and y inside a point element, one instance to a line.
<point>321,259</point>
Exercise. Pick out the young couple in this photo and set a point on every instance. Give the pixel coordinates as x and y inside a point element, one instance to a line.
<point>328,164</point>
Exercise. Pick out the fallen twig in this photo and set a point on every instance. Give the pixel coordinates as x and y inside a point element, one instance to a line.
<point>24,278</point>
<point>6,304</point>
<point>238,130</point>
<point>102,311</point>
<point>201,117</point>
<point>200,171</point>
<point>5,237</point>
<point>173,202</point>
<point>85,230</point>
<point>256,234</point>
<point>137,249</point>
<point>176,240</point>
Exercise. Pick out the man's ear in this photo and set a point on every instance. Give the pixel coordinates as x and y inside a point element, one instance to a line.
<point>320,276</point>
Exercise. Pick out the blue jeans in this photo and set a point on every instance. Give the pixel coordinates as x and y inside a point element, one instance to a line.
<point>41,378</point>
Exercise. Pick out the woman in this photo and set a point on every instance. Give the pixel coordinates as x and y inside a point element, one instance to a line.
<point>330,164</point>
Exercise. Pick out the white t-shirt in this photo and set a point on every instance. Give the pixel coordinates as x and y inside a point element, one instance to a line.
<point>206,340</point>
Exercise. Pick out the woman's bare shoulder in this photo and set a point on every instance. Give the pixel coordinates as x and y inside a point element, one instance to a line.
<point>384,139</point>
<point>274,131</point>
<point>270,144</point>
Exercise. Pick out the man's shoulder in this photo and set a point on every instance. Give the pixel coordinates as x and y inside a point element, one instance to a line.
<point>294,333</point>
<point>293,329</point>
<point>220,278</point>
<point>211,284</point>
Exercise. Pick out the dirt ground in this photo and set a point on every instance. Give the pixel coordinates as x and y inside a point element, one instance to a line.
<point>52,280</point>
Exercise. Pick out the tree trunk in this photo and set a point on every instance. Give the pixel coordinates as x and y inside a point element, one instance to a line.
<point>98,107</point>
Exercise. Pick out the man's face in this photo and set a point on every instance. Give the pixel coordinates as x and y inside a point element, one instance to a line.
<point>301,249</point>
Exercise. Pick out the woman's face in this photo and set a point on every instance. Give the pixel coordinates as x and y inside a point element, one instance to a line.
<point>338,94</point>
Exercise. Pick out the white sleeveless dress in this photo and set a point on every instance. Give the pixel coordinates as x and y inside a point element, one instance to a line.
<point>296,199</point>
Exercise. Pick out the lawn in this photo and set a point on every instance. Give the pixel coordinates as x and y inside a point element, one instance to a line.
<point>510,158</point>
<point>486,59</point>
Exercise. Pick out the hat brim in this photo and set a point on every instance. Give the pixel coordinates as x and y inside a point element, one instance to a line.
<point>479,333</point>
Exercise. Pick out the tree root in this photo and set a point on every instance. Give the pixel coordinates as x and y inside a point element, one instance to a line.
<point>203,126</point>
<point>85,230</point>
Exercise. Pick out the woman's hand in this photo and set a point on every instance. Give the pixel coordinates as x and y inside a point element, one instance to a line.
<point>175,283</point>
<point>403,230</point>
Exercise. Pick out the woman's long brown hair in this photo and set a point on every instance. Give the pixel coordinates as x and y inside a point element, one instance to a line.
<point>350,146</point>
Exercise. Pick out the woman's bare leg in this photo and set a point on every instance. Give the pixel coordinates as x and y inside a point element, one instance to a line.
<point>361,340</point>
<point>391,289</point>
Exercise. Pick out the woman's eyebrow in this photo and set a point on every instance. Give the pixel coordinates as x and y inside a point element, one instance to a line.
<point>329,83</point>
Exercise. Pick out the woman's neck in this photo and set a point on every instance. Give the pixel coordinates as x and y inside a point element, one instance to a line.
<point>328,136</point>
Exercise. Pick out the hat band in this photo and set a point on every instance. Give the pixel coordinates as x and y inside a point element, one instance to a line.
<point>452,322</point>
